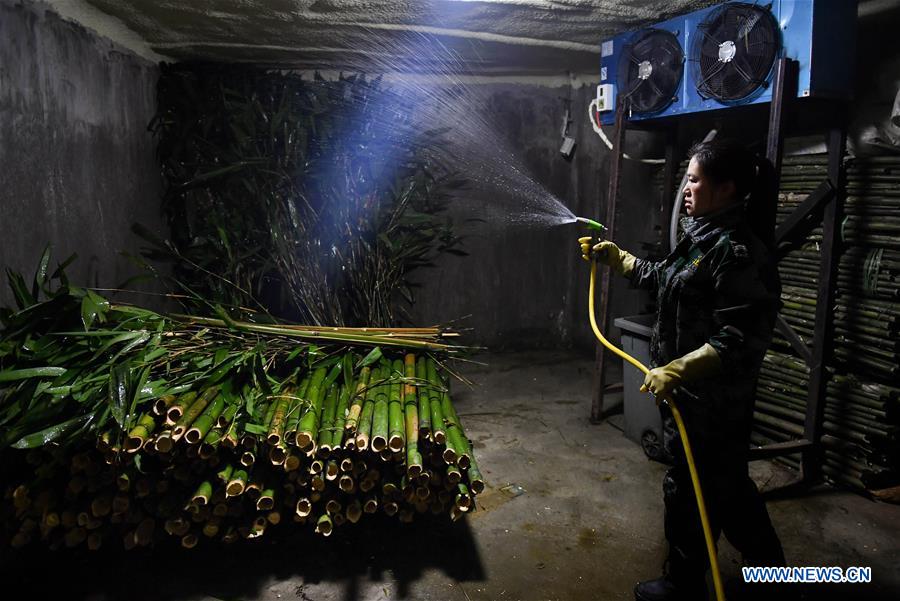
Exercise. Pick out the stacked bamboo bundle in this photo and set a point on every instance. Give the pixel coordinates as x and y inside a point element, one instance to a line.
<point>861,412</point>
<point>217,429</point>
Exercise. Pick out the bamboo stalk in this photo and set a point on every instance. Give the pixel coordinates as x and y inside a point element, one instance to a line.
<point>411,414</point>
<point>396,437</point>
<point>193,412</point>
<point>179,406</point>
<point>357,403</point>
<point>204,422</point>
<point>363,431</point>
<point>437,419</point>
<point>139,434</point>
<point>329,410</point>
<point>380,415</point>
<point>308,427</point>
<point>424,399</point>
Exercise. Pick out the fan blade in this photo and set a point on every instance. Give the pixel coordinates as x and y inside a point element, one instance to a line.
<point>647,43</point>
<point>744,74</point>
<point>635,87</point>
<point>711,74</point>
<point>655,89</point>
<point>708,36</point>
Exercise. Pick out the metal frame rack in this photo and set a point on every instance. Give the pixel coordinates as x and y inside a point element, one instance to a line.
<point>825,205</point>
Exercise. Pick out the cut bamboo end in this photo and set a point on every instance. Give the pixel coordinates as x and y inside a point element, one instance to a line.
<point>305,440</point>
<point>396,443</point>
<point>274,518</point>
<point>133,444</point>
<point>174,414</point>
<point>161,405</point>
<point>477,486</point>
<point>211,529</point>
<point>304,507</point>
<point>379,443</point>
<point>362,442</point>
<point>371,505</point>
<point>423,492</point>
<point>277,455</point>
<point>235,488</point>
<point>464,461</point>
<point>248,458</point>
<point>440,437</point>
<point>338,519</point>
<point>346,465</point>
<point>292,462</point>
<point>266,501</point>
<point>274,439</point>
<point>333,506</point>
<point>316,466</point>
<point>449,456</point>
<point>351,443</point>
<point>354,512</point>
<point>164,442</point>
<point>324,525</point>
<point>193,436</point>
<point>332,470</point>
<point>347,484</point>
<point>391,508</point>
<point>189,541</point>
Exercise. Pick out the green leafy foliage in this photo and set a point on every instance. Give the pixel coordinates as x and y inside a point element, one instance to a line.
<point>310,200</point>
<point>73,365</point>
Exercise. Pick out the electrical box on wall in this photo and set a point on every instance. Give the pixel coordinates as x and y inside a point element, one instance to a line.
<point>724,56</point>
<point>606,97</point>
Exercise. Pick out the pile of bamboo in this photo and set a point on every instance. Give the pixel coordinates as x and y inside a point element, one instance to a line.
<point>133,427</point>
<point>861,412</point>
<point>327,454</point>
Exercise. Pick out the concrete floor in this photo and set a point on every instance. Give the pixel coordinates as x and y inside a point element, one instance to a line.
<point>573,512</point>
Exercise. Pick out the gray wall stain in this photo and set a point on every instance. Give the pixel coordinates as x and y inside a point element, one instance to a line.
<point>77,163</point>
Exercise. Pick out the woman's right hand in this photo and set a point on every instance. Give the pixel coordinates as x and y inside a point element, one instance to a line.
<point>606,252</point>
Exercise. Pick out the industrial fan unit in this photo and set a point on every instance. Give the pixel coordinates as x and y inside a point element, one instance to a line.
<point>731,49</point>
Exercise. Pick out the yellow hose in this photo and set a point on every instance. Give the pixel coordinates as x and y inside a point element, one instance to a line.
<point>695,479</point>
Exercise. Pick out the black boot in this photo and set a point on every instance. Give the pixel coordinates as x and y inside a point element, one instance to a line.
<point>682,580</point>
<point>666,589</point>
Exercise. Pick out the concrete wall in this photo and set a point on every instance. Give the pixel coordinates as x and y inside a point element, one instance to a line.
<point>77,163</point>
<point>527,286</point>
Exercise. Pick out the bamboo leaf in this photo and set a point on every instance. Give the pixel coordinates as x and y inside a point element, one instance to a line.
<point>256,429</point>
<point>374,355</point>
<point>118,392</point>
<point>51,433</point>
<point>40,275</point>
<point>20,292</point>
<point>10,375</point>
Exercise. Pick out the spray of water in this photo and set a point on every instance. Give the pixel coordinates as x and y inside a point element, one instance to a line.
<point>503,188</point>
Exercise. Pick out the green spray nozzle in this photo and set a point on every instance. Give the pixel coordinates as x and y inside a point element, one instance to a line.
<point>594,225</point>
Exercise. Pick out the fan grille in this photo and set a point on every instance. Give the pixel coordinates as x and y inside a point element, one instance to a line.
<point>650,70</point>
<point>733,51</point>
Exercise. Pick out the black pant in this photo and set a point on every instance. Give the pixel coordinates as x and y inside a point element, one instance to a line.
<point>733,503</point>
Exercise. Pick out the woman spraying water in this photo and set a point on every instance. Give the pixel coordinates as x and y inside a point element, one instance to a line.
<point>717,297</point>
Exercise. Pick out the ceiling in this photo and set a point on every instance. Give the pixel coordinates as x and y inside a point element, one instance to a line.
<point>473,37</point>
<point>484,37</point>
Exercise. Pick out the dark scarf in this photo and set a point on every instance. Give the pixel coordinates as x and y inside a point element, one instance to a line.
<point>700,229</point>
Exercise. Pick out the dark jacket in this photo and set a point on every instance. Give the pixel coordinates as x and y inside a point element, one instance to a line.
<point>720,285</point>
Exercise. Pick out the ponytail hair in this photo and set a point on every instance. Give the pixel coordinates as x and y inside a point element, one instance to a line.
<point>725,160</point>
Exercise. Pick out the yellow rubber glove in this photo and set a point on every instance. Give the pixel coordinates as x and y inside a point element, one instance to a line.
<point>608,253</point>
<point>696,365</point>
